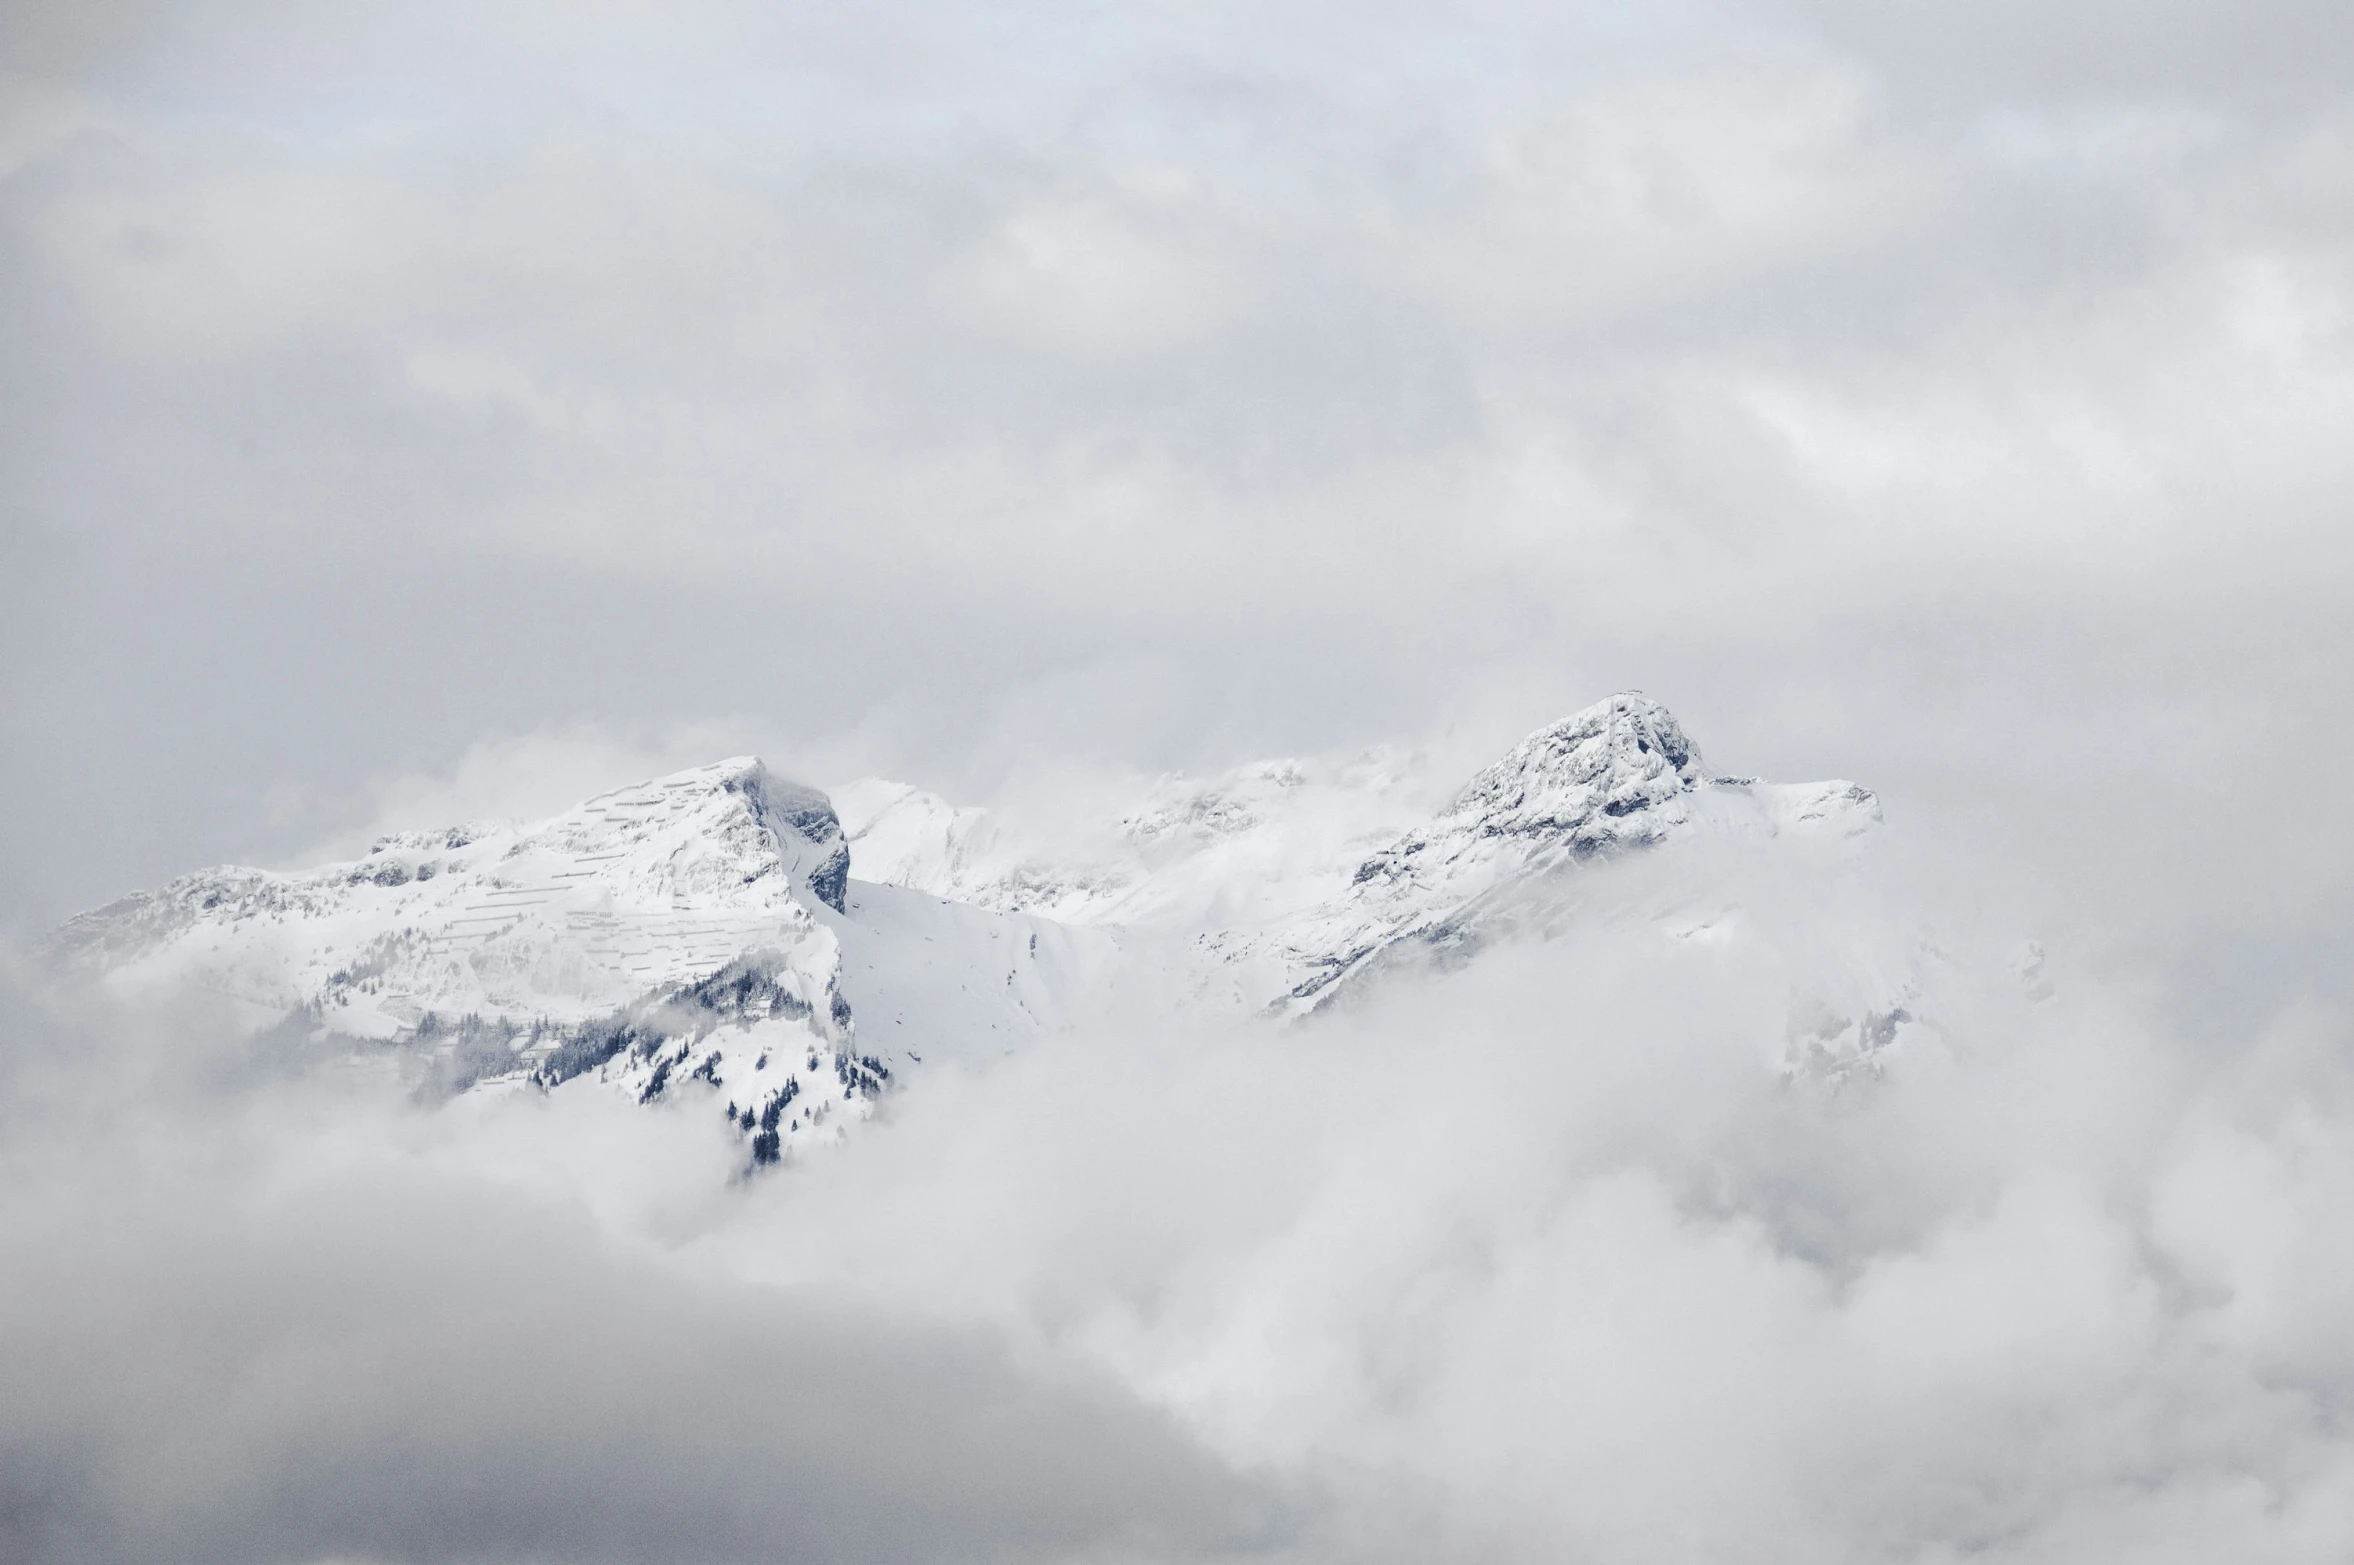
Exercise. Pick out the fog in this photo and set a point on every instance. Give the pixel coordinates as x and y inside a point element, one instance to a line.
<point>1545,1258</point>
<point>410,414</point>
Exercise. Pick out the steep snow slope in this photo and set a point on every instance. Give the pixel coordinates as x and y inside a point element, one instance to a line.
<point>902,836</point>
<point>559,920</point>
<point>932,980</point>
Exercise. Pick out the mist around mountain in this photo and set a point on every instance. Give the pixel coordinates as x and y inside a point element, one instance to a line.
<point>709,936</point>
<point>1603,1156</point>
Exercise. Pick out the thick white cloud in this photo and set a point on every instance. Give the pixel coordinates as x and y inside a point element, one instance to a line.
<point>1543,1258</point>
<point>267,1316</point>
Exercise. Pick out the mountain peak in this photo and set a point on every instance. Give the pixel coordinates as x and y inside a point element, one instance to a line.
<point>634,890</point>
<point>1626,718</point>
<point>1620,774</point>
<point>808,835</point>
<point>1618,758</point>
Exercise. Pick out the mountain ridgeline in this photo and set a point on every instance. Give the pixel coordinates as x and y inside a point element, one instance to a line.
<point>719,936</point>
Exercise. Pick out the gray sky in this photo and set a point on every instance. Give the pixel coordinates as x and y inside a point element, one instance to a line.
<point>1951,397</point>
<point>415,411</point>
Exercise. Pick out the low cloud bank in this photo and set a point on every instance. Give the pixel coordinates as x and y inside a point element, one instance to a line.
<point>1547,1261</point>
<point>298,1319</point>
<point>1542,1259</point>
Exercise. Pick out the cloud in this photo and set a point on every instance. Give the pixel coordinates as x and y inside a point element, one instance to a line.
<point>429,384</point>
<point>1542,1257</point>
<point>290,1320</point>
<point>410,414</point>
<point>2266,55</point>
<point>1545,1259</point>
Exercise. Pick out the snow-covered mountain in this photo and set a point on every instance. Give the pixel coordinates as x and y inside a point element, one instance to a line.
<point>1619,775</point>
<point>718,932</point>
<point>696,928</point>
<point>560,920</point>
<point>1291,881</point>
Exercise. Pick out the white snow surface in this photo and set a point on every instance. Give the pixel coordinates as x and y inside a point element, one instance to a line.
<point>726,933</point>
<point>563,919</point>
<point>668,935</point>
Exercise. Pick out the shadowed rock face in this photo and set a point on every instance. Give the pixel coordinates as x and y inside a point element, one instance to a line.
<point>794,814</point>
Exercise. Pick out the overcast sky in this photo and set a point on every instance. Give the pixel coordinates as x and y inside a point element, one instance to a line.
<point>1951,397</point>
<point>416,411</point>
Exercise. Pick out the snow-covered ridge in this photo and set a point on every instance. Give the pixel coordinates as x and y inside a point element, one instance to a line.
<point>558,919</point>
<point>1292,877</point>
<point>1619,775</point>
